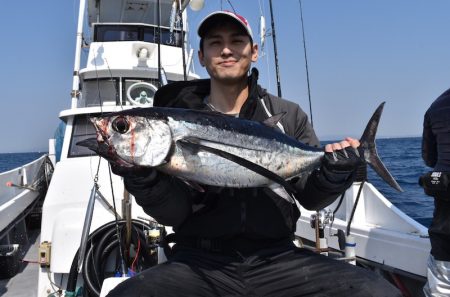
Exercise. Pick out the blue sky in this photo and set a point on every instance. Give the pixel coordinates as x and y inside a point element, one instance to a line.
<point>360,53</point>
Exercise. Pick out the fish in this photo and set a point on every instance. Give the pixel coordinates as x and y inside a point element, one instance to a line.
<point>210,148</point>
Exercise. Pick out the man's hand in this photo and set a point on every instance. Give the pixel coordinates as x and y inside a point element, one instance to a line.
<point>348,141</point>
<point>342,159</point>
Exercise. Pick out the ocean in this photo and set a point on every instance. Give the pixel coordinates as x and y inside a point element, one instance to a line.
<point>12,160</point>
<point>402,156</point>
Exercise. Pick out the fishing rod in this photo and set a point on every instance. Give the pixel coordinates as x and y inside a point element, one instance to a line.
<point>158,18</point>
<point>180,15</point>
<point>306,63</point>
<point>274,39</point>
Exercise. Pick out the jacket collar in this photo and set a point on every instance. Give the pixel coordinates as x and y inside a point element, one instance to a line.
<point>191,94</point>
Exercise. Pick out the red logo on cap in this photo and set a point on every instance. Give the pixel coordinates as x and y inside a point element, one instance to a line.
<point>239,16</point>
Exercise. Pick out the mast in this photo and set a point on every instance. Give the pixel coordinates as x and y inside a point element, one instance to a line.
<point>76,68</point>
<point>277,70</point>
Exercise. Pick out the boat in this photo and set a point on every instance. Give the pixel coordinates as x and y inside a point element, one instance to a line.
<point>21,196</point>
<point>132,51</point>
<point>364,228</point>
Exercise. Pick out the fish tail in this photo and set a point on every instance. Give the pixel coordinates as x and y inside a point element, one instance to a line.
<point>370,150</point>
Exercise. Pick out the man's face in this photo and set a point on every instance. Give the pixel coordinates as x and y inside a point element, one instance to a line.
<point>227,53</point>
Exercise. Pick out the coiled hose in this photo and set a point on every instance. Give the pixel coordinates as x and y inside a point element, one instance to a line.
<point>101,244</point>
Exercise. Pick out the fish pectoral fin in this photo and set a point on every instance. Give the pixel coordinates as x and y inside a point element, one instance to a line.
<point>274,120</point>
<point>282,192</point>
<point>193,185</point>
<point>190,144</point>
<point>193,145</point>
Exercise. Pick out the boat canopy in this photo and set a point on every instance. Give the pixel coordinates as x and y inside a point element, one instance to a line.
<point>130,11</point>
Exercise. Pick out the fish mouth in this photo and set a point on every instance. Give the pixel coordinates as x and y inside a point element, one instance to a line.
<point>104,150</point>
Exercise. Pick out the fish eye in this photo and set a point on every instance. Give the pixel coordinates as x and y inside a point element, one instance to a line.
<point>120,125</point>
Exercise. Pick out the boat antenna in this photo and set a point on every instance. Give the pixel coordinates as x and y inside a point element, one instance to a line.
<point>180,16</point>
<point>274,39</point>
<point>306,63</point>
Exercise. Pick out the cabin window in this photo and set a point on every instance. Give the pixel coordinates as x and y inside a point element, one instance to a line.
<point>96,91</point>
<point>108,33</point>
<point>82,129</point>
<point>167,37</point>
<point>116,33</point>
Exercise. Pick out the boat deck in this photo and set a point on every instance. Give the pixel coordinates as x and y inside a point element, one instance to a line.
<point>25,282</point>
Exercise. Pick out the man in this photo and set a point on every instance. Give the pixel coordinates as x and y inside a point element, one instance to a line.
<point>436,154</point>
<point>238,242</point>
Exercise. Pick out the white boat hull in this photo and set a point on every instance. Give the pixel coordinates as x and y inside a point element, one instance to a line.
<point>383,233</point>
<point>15,200</point>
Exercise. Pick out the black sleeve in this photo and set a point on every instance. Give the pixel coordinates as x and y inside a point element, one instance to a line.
<point>429,145</point>
<point>323,185</point>
<point>167,199</point>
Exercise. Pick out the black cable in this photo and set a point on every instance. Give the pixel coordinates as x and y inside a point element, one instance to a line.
<point>339,204</point>
<point>73,275</point>
<point>102,243</point>
<point>354,207</point>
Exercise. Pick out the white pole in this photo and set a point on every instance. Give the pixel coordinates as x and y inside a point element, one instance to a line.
<point>52,151</point>
<point>76,67</point>
<point>350,247</point>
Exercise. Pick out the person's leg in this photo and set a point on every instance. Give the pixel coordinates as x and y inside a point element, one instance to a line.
<point>438,272</point>
<point>438,278</point>
<point>188,273</point>
<point>304,273</point>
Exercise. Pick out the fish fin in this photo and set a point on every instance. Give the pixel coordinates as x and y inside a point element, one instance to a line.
<point>282,192</point>
<point>370,150</point>
<point>193,185</point>
<point>193,145</point>
<point>198,140</point>
<point>274,120</point>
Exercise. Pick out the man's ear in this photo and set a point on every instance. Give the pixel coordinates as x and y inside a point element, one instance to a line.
<point>201,58</point>
<point>254,52</point>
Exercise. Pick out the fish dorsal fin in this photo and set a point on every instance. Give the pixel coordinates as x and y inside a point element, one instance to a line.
<point>193,145</point>
<point>273,121</point>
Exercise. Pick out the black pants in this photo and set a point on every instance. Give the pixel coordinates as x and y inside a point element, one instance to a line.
<point>273,272</point>
<point>439,230</point>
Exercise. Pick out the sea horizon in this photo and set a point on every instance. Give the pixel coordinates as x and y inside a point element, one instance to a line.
<point>323,138</point>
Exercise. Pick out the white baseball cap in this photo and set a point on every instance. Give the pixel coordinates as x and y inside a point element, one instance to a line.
<point>209,20</point>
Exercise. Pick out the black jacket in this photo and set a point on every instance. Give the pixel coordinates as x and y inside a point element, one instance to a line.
<point>232,213</point>
<point>436,134</point>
